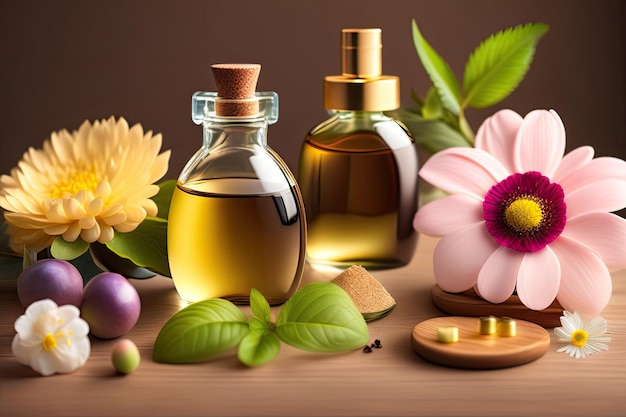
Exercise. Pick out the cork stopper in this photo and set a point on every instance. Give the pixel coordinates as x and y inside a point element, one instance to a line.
<point>236,86</point>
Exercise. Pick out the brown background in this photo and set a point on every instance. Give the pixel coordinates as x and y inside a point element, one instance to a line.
<point>67,61</point>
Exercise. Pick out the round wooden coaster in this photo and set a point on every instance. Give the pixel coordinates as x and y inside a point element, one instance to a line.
<point>468,303</point>
<point>477,351</point>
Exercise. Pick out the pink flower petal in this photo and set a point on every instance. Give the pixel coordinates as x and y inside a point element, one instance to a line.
<point>572,162</point>
<point>459,256</point>
<point>497,136</point>
<point>596,170</point>
<point>585,280</point>
<point>497,277</point>
<point>539,278</point>
<point>447,214</point>
<point>605,233</point>
<point>467,171</point>
<point>540,143</point>
<point>604,195</point>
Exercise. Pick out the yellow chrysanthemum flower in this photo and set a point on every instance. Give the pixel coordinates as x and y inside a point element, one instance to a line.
<point>87,184</point>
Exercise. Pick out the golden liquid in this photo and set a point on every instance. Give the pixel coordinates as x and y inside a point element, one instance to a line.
<point>222,245</point>
<point>359,207</point>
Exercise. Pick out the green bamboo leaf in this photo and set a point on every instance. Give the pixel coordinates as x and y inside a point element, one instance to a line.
<point>439,72</point>
<point>62,249</point>
<point>259,306</point>
<point>499,64</point>
<point>321,317</point>
<point>146,246</point>
<point>164,198</point>
<point>200,331</point>
<point>260,345</point>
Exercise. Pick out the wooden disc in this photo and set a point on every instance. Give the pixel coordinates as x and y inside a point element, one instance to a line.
<point>468,303</point>
<point>477,351</point>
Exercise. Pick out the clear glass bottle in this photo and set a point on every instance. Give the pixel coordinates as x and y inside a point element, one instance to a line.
<point>358,170</point>
<point>236,219</point>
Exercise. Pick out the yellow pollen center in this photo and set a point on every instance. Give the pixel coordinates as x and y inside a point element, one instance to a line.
<point>524,214</point>
<point>579,338</point>
<point>49,342</point>
<point>68,187</point>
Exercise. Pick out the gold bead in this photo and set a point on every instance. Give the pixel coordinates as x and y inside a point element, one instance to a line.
<point>506,327</point>
<point>488,325</point>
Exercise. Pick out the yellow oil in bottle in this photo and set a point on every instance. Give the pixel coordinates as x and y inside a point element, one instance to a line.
<point>360,198</point>
<point>232,235</point>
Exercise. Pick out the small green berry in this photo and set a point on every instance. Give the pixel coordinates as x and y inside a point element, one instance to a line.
<point>125,356</point>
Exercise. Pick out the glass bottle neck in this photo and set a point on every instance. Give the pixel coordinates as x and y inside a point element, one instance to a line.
<point>221,132</point>
<point>360,114</point>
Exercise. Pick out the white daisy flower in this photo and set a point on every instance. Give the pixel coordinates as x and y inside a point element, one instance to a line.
<point>584,339</point>
<point>51,339</point>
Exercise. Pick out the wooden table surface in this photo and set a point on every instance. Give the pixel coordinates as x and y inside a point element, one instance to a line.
<point>391,381</point>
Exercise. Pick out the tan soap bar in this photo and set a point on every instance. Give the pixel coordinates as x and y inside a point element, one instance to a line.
<point>366,292</point>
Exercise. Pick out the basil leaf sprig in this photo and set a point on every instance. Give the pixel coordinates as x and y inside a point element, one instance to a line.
<point>319,317</point>
<point>200,331</point>
<point>493,71</point>
<point>261,344</point>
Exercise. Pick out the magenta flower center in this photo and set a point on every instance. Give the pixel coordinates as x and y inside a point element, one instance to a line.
<point>525,212</point>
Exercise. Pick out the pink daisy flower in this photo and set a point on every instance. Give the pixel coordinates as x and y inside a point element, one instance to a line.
<point>522,216</point>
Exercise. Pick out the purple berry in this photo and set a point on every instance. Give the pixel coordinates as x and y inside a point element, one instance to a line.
<point>55,279</point>
<point>111,305</point>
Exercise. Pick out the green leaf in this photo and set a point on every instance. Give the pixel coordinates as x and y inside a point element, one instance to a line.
<point>145,246</point>
<point>28,259</point>
<point>260,345</point>
<point>499,64</point>
<point>259,306</point>
<point>321,317</point>
<point>431,135</point>
<point>10,267</point>
<point>417,100</point>
<point>439,72</point>
<point>164,198</point>
<point>62,249</point>
<point>433,108</point>
<point>108,260</point>
<point>87,267</point>
<point>200,331</point>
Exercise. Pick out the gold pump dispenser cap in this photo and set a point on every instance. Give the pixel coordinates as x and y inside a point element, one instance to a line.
<point>361,85</point>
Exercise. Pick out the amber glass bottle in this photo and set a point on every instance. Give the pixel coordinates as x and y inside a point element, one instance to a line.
<point>358,169</point>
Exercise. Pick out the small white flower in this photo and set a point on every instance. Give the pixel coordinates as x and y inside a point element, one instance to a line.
<point>584,339</point>
<point>51,339</point>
